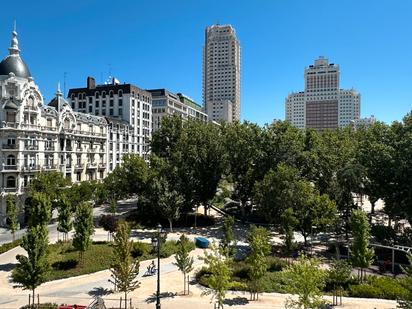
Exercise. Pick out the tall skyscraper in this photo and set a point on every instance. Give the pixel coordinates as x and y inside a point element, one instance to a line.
<point>221,73</point>
<point>323,105</point>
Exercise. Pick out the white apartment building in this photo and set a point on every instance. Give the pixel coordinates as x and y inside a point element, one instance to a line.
<point>323,105</point>
<point>128,110</point>
<point>166,103</point>
<point>35,137</point>
<point>363,122</point>
<point>221,73</point>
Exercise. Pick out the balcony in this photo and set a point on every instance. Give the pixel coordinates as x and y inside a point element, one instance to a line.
<point>93,149</point>
<point>10,167</point>
<point>102,165</point>
<point>50,148</point>
<point>50,167</point>
<point>92,165</point>
<point>10,189</point>
<point>31,167</point>
<point>79,166</point>
<point>9,146</point>
<point>31,147</point>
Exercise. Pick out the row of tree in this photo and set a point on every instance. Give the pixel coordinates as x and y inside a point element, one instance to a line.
<point>297,180</point>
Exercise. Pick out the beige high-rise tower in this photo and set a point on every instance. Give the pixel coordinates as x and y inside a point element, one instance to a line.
<point>221,73</point>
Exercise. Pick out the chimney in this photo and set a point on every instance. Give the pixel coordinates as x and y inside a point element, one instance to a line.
<point>91,83</point>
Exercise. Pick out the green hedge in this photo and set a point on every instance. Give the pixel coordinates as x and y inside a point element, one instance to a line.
<point>378,287</point>
<point>10,245</point>
<point>42,306</point>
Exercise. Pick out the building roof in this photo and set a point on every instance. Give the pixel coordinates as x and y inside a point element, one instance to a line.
<point>13,62</point>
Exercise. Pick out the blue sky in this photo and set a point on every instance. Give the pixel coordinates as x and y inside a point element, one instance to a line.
<point>158,44</point>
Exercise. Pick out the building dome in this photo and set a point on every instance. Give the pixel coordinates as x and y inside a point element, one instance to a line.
<point>13,62</point>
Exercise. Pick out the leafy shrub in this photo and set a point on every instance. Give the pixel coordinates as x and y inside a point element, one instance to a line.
<point>168,248</point>
<point>65,265</point>
<point>379,287</point>
<point>273,282</point>
<point>108,223</point>
<point>275,264</point>
<point>240,270</point>
<point>202,276</point>
<point>10,245</point>
<point>238,286</point>
<point>141,249</point>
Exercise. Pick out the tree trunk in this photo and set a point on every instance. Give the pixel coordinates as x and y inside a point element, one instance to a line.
<point>125,300</point>
<point>305,239</point>
<point>170,225</point>
<point>33,300</point>
<point>184,284</point>
<point>205,207</point>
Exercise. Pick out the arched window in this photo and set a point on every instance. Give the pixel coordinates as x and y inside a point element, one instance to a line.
<point>120,93</point>
<point>11,182</point>
<point>96,94</point>
<point>67,123</point>
<point>103,94</point>
<point>111,93</point>
<point>72,96</point>
<point>11,160</point>
<point>79,95</point>
<point>30,102</point>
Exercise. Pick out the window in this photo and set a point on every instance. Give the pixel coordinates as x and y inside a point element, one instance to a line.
<point>11,117</point>
<point>120,112</point>
<point>11,182</point>
<point>111,112</point>
<point>111,93</point>
<point>11,141</point>
<point>120,102</point>
<point>90,109</point>
<point>11,160</point>
<point>96,95</point>
<point>78,176</point>
<point>120,93</point>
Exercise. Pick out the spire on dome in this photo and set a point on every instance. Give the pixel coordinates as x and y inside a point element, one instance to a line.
<point>58,92</point>
<point>14,48</point>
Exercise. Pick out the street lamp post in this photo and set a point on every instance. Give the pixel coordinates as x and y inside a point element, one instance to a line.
<point>156,242</point>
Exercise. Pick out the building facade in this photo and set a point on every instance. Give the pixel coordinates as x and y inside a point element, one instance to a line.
<point>128,110</point>
<point>35,137</point>
<point>221,73</point>
<point>323,105</point>
<point>166,103</point>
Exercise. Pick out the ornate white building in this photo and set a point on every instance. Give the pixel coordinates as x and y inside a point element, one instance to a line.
<point>36,137</point>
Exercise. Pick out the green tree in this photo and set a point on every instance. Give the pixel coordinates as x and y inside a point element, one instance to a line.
<point>64,217</point>
<point>11,211</point>
<point>406,300</point>
<point>127,179</point>
<point>306,279</point>
<point>289,223</point>
<point>339,275</point>
<point>361,255</point>
<point>313,212</point>
<point>184,262</point>
<point>124,268</point>
<point>161,194</point>
<point>259,243</point>
<point>228,236</point>
<point>39,209</point>
<point>31,270</point>
<point>50,183</point>
<point>243,148</point>
<point>276,193</point>
<point>83,226</point>
<point>219,266</point>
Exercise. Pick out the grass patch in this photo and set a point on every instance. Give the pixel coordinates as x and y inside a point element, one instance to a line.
<point>10,245</point>
<point>64,260</point>
<point>65,263</point>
